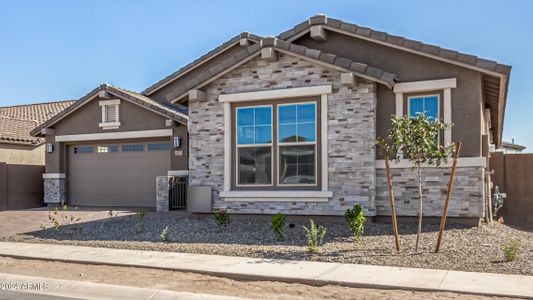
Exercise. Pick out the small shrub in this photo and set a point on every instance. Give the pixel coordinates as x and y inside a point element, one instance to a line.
<point>139,225</point>
<point>278,222</point>
<point>163,237</point>
<point>140,214</point>
<point>355,218</point>
<point>57,219</point>
<point>315,235</point>
<point>222,217</point>
<point>511,250</point>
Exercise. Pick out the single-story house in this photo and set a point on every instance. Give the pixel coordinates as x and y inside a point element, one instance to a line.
<point>17,146</point>
<point>283,124</point>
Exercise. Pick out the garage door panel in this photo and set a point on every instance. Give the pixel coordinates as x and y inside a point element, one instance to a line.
<point>116,178</point>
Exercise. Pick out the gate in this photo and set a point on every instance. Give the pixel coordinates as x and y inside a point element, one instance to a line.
<point>177,192</point>
<point>513,174</point>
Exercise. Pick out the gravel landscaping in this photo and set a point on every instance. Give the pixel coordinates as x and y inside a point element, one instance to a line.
<point>464,248</point>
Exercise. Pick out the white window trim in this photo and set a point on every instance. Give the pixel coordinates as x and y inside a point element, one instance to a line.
<point>281,144</point>
<point>322,91</point>
<point>271,145</point>
<point>104,104</point>
<point>276,196</point>
<point>429,85</point>
<point>114,135</point>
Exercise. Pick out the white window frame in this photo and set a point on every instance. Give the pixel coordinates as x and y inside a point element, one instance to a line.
<point>446,85</point>
<point>316,196</point>
<point>105,104</point>
<point>281,144</point>
<point>271,144</point>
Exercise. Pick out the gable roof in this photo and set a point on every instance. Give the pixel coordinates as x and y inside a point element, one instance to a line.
<point>396,41</point>
<point>495,79</point>
<point>202,59</point>
<point>359,69</point>
<point>16,122</point>
<point>179,113</point>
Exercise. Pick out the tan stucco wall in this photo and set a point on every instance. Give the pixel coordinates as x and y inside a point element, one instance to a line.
<point>22,155</point>
<point>467,102</point>
<point>132,117</point>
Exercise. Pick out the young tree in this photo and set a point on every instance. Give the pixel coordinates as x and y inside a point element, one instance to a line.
<point>417,140</point>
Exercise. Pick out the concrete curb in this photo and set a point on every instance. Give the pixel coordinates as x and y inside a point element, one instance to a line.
<point>306,272</point>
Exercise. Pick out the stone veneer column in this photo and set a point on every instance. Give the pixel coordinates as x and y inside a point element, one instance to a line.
<point>162,194</point>
<point>54,190</point>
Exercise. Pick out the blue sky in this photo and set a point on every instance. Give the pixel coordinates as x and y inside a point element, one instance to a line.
<point>55,50</point>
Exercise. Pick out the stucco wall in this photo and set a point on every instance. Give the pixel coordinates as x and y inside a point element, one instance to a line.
<point>22,155</point>
<point>351,133</point>
<point>466,98</point>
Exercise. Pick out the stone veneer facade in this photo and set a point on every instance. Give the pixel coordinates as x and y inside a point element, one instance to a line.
<point>54,190</point>
<point>351,125</point>
<point>353,178</point>
<point>467,196</point>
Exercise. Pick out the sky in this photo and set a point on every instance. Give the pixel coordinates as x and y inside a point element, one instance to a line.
<point>56,50</point>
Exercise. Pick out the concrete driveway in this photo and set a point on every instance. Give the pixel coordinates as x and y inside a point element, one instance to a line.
<point>21,221</point>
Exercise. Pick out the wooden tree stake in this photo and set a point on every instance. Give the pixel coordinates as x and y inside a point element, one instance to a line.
<point>391,197</point>
<point>448,195</point>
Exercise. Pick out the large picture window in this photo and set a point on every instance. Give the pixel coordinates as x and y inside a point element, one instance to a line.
<point>254,145</point>
<point>276,145</point>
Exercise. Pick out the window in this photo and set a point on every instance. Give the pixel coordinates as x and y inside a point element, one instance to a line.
<point>289,135</point>
<point>83,150</point>
<point>133,148</point>
<point>106,149</point>
<point>110,114</point>
<point>159,147</point>
<point>429,105</point>
<point>254,145</point>
<point>297,144</point>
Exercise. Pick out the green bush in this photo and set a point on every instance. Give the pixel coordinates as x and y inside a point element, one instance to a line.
<point>315,235</point>
<point>163,237</point>
<point>355,218</point>
<point>511,250</point>
<point>278,222</point>
<point>222,217</point>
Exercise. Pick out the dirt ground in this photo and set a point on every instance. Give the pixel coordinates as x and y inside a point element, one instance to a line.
<point>189,282</point>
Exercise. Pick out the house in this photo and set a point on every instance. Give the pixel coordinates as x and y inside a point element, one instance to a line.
<point>17,146</point>
<point>511,148</point>
<point>283,124</point>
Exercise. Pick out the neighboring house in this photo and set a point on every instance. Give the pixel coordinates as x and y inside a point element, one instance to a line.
<point>284,124</point>
<point>17,146</point>
<point>511,148</point>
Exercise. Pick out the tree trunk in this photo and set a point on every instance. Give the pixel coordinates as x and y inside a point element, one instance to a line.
<point>420,204</point>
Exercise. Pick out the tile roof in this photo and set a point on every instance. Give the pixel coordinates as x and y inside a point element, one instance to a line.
<point>174,111</point>
<point>199,61</point>
<point>16,122</point>
<point>360,69</point>
<point>396,41</point>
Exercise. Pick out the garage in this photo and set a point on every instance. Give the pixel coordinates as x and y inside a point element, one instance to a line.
<point>116,174</point>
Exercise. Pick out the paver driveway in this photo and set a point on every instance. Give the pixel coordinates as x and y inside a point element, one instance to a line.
<point>20,221</point>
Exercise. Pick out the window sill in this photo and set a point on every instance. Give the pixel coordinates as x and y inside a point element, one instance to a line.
<point>113,125</point>
<point>276,196</point>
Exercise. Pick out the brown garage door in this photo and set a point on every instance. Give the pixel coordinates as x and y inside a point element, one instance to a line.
<point>116,174</point>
